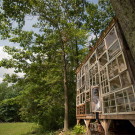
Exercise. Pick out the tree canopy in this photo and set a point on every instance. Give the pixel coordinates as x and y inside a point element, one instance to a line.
<point>49,59</point>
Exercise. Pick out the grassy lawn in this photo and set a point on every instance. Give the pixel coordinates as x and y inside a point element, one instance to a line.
<point>21,128</point>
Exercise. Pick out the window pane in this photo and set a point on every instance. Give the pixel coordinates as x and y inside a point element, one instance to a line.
<point>119,94</point>
<point>112,102</point>
<point>127,108</point>
<point>115,84</point>
<point>125,79</point>
<point>133,107</point>
<point>120,101</point>
<point>129,91</point>
<point>83,80</point>
<point>106,104</point>
<point>87,107</point>
<point>113,50</point>
<point>112,109</point>
<point>121,108</point>
<point>113,69</point>
<point>93,59</point>
<point>111,37</point>
<point>103,60</point>
<point>101,48</point>
<point>132,98</point>
<point>121,63</point>
<point>87,95</point>
<point>111,96</point>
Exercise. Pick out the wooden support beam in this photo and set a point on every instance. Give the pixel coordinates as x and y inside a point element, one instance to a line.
<point>87,123</point>
<point>132,122</point>
<point>78,121</point>
<point>106,124</point>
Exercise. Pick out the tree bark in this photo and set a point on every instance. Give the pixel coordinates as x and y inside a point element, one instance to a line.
<point>65,89</point>
<point>125,12</point>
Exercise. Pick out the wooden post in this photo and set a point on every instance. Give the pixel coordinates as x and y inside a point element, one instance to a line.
<point>106,125</point>
<point>78,121</point>
<point>87,123</point>
<point>132,122</point>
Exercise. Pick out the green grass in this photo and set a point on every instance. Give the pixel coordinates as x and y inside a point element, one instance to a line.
<point>21,128</point>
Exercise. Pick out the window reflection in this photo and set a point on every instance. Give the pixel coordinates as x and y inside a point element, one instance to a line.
<point>111,37</point>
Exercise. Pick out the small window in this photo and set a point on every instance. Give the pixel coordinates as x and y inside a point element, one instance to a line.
<point>93,59</point>
<point>103,60</point>
<point>121,63</point>
<point>113,50</point>
<point>115,84</point>
<point>101,48</point>
<point>125,79</point>
<point>111,37</point>
<point>112,109</point>
<point>87,95</point>
<point>113,69</point>
<point>86,68</point>
<point>121,108</point>
<point>87,107</point>
<point>83,80</point>
<point>82,70</point>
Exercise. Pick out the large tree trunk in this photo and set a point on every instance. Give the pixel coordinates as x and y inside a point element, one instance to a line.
<point>65,89</point>
<point>125,12</point>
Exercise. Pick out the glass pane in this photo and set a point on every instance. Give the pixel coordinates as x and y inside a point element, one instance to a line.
<point>106,98</point>
<point>126,99</point>
<point>121,63</point>
<point>112,102</point>
<point>103,60</point>
<point>97,79</point>
<point>82,89</point>
<point>115,84</point>
<point>83,80</point>
<point>87,81</point>
<point>127,108</point>
<point>101,48</point>
<point>87,107</point>
<point>113,69</point>
<point>120,101</point>
<point>112,109</point>
<point>83,97</point>
<point>93,59</point>
<point>131,98</point>
<point>113,50</point>
<point>87,95</point>
<point>111,96</point>
<point>121,108</point>
<point>133,107</point>
<point>106,104</point>
<point>86,68</point>
<point>129,91</point>
<point>82,70</point>
<point>119,94</point>
<point>96,68</point>
<point>111,37</point>
<point>78,100</point>
<point>106,110</point>
<point>125,79</point>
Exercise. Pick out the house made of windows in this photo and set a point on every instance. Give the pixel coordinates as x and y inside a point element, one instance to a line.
<point>105,81</point>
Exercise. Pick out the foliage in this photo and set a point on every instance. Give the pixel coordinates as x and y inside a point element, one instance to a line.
<point>9,108</point>
<point>49,59</point>
<point>79,129</point>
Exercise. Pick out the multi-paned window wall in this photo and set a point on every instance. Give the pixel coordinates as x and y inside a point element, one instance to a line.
<point>107,69</point>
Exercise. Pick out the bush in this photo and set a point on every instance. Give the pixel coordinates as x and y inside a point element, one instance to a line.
<point>79,129</point>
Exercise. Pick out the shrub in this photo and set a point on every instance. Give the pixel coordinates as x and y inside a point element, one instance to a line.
<point>79,129</point>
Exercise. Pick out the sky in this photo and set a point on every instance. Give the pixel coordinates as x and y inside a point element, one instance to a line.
<point>28,26</point>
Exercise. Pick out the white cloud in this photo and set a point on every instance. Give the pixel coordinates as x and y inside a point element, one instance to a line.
<point>3,54</point>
